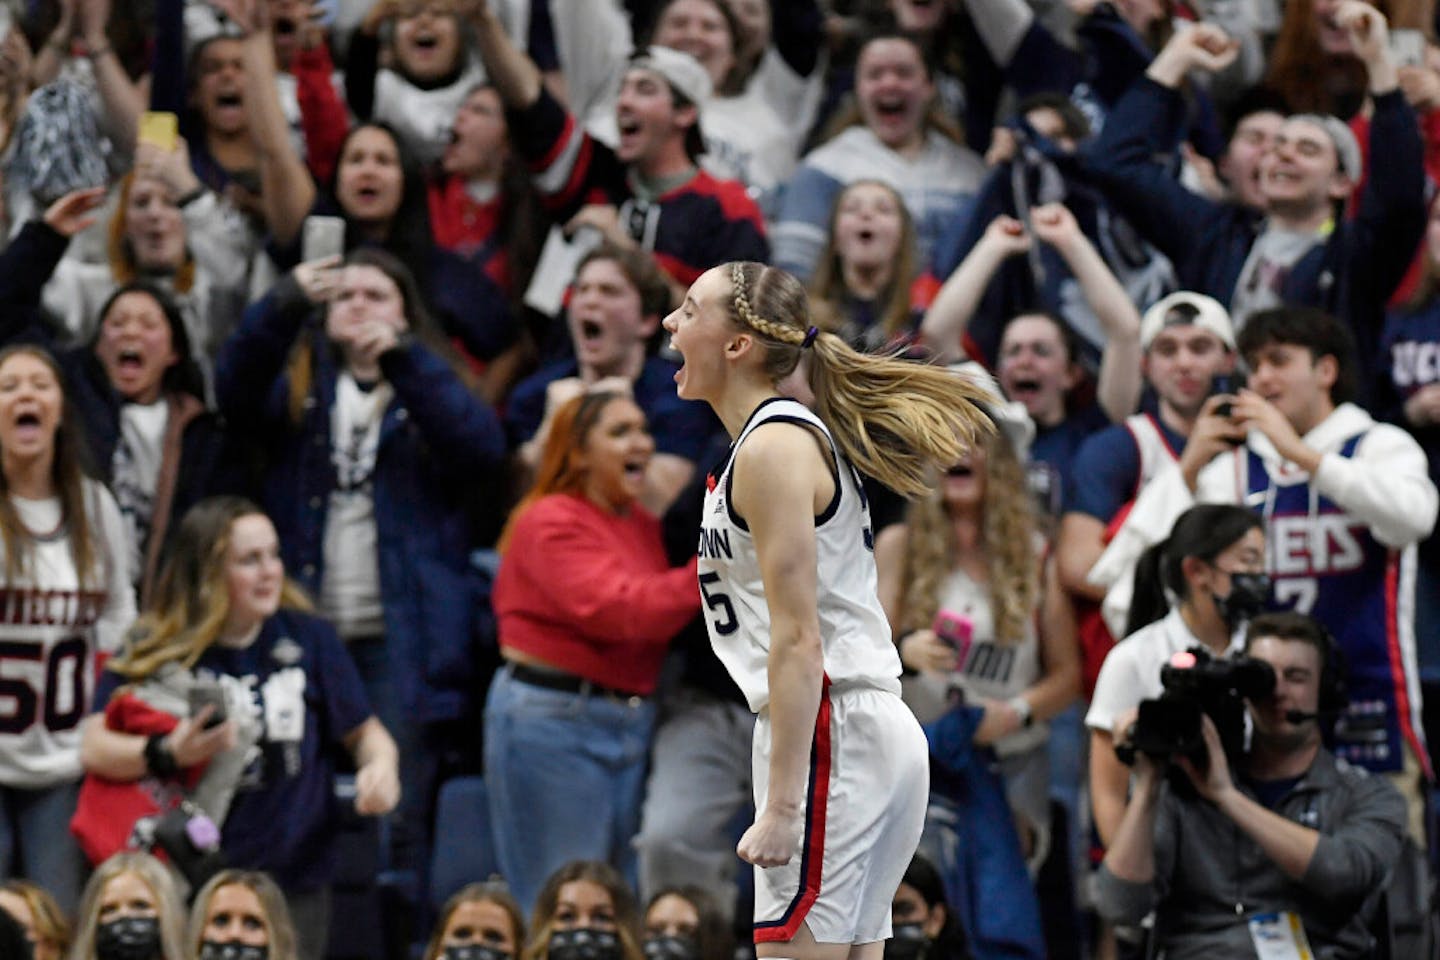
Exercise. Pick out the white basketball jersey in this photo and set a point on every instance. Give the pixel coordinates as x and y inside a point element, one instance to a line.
<point>854,633</point>
<point>1155,450</point>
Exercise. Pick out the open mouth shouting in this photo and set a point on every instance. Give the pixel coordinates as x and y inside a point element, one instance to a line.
<point>630,129</point>
<point>1024,389</point>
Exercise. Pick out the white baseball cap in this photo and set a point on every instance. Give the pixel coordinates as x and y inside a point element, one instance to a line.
<point>1189,309</point>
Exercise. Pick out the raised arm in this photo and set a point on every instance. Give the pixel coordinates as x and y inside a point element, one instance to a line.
<point>516,78</point>
<point>287,193</point>
<point>30,259</point>
<point>943,328</point>
<point>123,99</point>
<point>253,359</point>
<point>53,53</point>
<point>1145,123</point>
<point>1118,391</point>
<point>1391,216</point>
<point>781,483</point>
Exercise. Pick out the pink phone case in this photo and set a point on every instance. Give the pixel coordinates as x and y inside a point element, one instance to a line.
<point>957,630</point>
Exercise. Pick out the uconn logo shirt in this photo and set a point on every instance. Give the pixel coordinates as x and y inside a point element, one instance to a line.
<point>853,629</point>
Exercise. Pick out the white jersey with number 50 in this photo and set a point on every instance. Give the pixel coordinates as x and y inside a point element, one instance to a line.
<point>853,630</point>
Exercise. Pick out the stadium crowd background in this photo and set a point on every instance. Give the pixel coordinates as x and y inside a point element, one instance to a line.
<point>395,272</point>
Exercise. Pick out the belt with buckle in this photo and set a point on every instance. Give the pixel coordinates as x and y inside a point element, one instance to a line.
<point>567,682</point>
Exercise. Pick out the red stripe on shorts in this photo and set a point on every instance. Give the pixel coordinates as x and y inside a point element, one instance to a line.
<point>812,852</point>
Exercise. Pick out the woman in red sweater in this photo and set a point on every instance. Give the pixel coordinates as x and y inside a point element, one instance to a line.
<point>587,603</point>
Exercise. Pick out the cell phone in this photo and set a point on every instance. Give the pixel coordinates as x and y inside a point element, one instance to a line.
<point>160,128</point>
<point>955,630</point>
<point>1407,48</point>
<point>323,237</point>
<point>1223,383</point>
<point>202,695</point>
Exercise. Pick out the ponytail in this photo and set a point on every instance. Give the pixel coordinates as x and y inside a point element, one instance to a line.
<point>1203,532</point>
<point>893,419</point>
<point>1150,601</point>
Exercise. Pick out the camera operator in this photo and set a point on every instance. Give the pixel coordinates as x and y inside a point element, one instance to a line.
<point>1287,849</point>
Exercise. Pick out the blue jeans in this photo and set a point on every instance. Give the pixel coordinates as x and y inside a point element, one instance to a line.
<point>35,840</point>
<point>565,773</point>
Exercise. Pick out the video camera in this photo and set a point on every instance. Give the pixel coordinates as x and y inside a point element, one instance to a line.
<point>1197,684</point>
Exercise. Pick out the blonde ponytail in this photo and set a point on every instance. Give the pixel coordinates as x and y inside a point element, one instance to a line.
<point>893,419</point>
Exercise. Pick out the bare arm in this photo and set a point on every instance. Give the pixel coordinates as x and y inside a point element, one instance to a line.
<point>1109,781</point>
<point>1131,854</point>
<point>1120,384</point>
<point>945,322</point>
<point>890,546</point>
<point>286,191</point>
<point>123,99</point>
<point>377,768</point>
<point>121,756</point>
<point>1081,541</point>
<point>516,78</point>
<point>1059,684</point>
<point>665,477</point>
<point>781,483</point>
<point>56,49</point>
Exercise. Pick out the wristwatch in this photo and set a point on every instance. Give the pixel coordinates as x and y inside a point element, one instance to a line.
<point>1021,706</point>
<point>158,758</point>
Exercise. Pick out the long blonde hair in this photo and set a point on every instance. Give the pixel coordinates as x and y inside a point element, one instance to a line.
<point>192,601</point>
<point>279,929</point>
<point>893,419</point>
<point>1008,543</point>
<point>167,904</point>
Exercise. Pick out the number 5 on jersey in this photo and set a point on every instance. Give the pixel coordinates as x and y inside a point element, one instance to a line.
<point>718,602</point>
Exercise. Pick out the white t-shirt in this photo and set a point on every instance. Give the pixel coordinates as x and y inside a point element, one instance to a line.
<point>1131,671</point>
<point>1262,279</point>
<point>989,670</point>
<point>350,584</point>
<point>135,471</point>
<point>51,630</point>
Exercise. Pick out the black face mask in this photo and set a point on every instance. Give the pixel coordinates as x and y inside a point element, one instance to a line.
<point>907,942</point>
<point>671,948</point>
<point>128,938</point>
<point>1249,593</point>
<point>584,943</point>
<point>473,951</point>
<point>232,950</point>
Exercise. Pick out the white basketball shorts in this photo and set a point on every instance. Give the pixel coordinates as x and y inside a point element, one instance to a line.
<point>864,808</point>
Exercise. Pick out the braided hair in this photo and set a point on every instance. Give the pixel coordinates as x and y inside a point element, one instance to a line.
<point>893,419</point>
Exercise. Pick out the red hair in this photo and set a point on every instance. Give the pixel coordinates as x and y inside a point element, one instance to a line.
<point>558,471</point>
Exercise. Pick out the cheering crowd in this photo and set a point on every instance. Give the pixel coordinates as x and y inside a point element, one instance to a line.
<point>343,465</point>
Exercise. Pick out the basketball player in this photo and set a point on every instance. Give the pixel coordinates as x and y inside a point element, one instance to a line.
<point>788,579</point>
